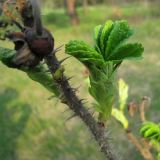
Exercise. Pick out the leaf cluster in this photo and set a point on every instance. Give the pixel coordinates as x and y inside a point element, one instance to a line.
<point>151,131</point>
<point>102,60</point>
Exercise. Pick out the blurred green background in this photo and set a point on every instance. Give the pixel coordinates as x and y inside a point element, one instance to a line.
<point>35,128</point>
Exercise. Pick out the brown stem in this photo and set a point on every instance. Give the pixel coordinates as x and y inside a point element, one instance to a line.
<point>146,143</point>
<point>143,150</point>
<point>142,109</point>
<point>77,107</point>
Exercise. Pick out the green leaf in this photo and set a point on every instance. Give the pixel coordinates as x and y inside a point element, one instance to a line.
<point>105,35</point>
<point>97,35</point>
<point>119,34</point>
<point>151,131</point>
<point>101,35</point>
<point>84,53</point>
<point>127,51</point>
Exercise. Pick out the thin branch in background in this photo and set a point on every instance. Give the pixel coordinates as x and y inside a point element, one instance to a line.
<point>142,108</point>
<point>143,150</point>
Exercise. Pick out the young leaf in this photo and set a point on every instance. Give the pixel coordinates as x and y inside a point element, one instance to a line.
<point>127,51</point>
<point>101,35</point>
<point>105,35</point>
<point>119,34</point>
<point>97,35</point>
<point>123,94</point>
<point>119,116</point>
<point>83,52</point>
<point>151,131</point>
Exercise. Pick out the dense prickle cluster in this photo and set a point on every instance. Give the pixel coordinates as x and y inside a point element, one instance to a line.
<point>104,59</point>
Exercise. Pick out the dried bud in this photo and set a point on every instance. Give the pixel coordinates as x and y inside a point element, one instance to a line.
<point>42,45</point>
<point>132,108</point>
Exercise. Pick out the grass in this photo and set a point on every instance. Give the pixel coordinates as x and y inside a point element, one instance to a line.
<point>34,128</point>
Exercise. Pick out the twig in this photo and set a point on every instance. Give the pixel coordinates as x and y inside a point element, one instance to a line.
<point>77,107</point>
<point>142,149</point>
<point>142,109</point>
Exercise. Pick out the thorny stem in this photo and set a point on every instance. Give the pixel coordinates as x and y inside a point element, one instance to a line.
<point>77,107</point>
<point>69,96</point>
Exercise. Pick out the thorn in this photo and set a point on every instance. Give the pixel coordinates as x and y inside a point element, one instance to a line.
<point>51,97</point>
<point>84,101</point>
<point>58,49</point>
<point>18,25</point>
<point>61,95</point>
<point>69,78</point>
<point>62,99</point>
<point>76,89</point>
<point>74,115</point>
<point>64,59</point>
<point>117,65</point>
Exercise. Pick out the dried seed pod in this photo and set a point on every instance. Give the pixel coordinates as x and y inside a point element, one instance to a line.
<point>39,39</point>
<point>42,45</point>
<point>24,56</point>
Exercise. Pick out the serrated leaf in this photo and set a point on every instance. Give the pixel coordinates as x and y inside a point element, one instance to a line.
<point>119,116</point>
<point>97,36</point>
<point>97,33</point>
<point>101,35</point>
<point>105,35</point>
<point>119,34</point>
<point>83,52</point>
<point>127,51</point>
